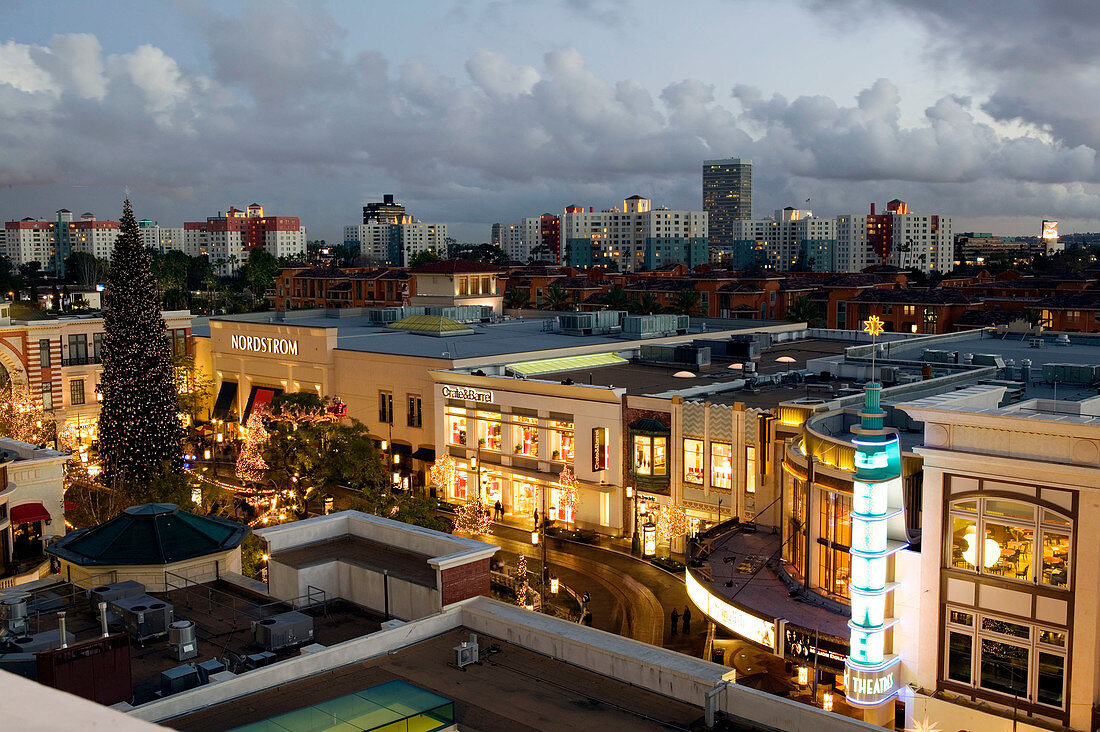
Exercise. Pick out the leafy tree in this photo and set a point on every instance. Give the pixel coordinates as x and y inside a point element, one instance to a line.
<point>20,418</point>
<point>193,386</point>
<point>139,429</point>
<point>423,257</point>
<point>557,299</point>
<point>687,302</point>
<point>260,270</point>
<point>516,298</point>
<point>31,273</point>
<point>85,270</point>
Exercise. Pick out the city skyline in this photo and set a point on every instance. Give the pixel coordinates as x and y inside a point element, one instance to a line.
<point>472,114</point>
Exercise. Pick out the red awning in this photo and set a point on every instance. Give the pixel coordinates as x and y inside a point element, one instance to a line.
<point>69,505</point>
<point>263,396</point>
<point>26,513</point>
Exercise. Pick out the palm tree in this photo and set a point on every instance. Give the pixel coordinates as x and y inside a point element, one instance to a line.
<point>687,302</point>
<point>516,298</point>
<point>617,299</point>
<point>557,299</point>
<point>804,310</point>
<point>647,304</point>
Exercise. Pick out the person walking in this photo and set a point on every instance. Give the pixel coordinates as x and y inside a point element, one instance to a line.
<point>687,620</point>
<point>536,518</point>
<point>587,619</point>
<point>675,620</point>
<point>499,510</point>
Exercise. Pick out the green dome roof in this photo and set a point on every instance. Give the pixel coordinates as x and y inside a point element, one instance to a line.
<point>152,533</point>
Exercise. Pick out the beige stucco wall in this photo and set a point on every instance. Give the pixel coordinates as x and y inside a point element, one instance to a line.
<point>200,569</point>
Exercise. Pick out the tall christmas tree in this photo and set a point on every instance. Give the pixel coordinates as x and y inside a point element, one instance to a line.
<point>139,425</point>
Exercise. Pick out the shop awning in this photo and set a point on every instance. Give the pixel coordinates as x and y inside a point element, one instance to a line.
<point>226,395</point>
<point>566,363</point>
<point>397,448</point>
<point>425,454</point>
<point>260,395</point>
<point>27,513</point>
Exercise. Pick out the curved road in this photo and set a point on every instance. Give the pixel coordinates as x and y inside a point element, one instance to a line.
<point>632,598</point>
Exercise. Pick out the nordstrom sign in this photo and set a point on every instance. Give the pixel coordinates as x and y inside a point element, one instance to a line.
<point>264,344</point>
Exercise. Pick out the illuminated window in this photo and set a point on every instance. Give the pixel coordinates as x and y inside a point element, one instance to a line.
<point>999,536</point>
<point>462,286</point>
<point>460,485</point>
<point>750,469</point>
<point>526,432</point>
<point>489,430</point>
<point>456,428</point>
<point>721,465</point>
<point>650,455</point>
<point>693,461</point>
<point>561,441</point>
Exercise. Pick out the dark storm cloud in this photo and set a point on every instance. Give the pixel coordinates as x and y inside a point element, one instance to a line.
<point>284,116</point>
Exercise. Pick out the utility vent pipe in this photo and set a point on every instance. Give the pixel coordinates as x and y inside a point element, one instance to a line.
<point>103,619</point>
<point>61,628</point>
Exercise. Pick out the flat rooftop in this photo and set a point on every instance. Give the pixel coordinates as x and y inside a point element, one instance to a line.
<point>358,333</point>
<point>718,383</point>
<point>1080,348</point>
<point>365,553</point>
<point>223,616</point>
<point>512,689</point>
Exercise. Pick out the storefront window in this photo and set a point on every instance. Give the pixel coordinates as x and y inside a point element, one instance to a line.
<point>456,428</point>
<point>649,455</point>
<point>524,499</point>
<point>527,435</point>
<point>795,532</point>
<point>460,491</point>
<point>1004,667</point>
<point>834,541</point>
<point>491,485</point>
<point>721,465</point>
<point>560,510</point>
<point>561,441</point>
<point>998,536</point>
<point>489,430</point>
<point>750,468</point>
<point>693,461</point>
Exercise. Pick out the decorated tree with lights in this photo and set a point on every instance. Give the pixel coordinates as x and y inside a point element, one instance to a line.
<point>521,577</point>
<point>21,419</point>
<point>569,495</point>
<point>139,427</point>
<point>251,466</point>
<point>672,522</point>
<point>473,518</point>
<point>443,472</point>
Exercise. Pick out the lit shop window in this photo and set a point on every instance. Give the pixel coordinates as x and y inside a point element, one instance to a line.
<point>750,469</point>
<point>526,430</point>
<point>489,430</point>
<point>456,429</point>
<point>998,536</point>
<point>561,441</point>
<point>721,465</point>
<point>649,455</point>
<point>693,461</point>
<point>460,485</point>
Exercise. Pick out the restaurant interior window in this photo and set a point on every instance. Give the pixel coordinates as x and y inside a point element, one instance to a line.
<point>721,465</point>
<point>1001,536</point>
<point>693,461</point>
<point>561,441</point>
<point>489,430</point>
<point>76,392</point>
<point>456,428</point>
<point>526,430</point>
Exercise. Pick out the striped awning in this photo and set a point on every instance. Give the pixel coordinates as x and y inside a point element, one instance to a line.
<point>566,363</point>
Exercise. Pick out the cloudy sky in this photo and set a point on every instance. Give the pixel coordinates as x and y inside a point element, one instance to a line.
<point>477,111</point>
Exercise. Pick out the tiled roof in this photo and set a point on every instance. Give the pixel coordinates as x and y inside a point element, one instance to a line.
<point>921,295</point>
<point>454,266</point>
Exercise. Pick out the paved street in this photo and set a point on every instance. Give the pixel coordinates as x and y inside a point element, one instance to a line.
<point>630,597</point>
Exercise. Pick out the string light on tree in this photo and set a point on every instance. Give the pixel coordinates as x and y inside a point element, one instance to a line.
<point>473,518</point>
<point>443,473</point>
<point>568,495</point>
<point>251,466</point>
<point>672,522</point>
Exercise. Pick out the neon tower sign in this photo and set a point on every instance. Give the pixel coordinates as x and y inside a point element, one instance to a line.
<point>878,531</point>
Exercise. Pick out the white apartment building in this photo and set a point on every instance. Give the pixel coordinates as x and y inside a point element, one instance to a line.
<point>396,243</point>
<point>895,237</point>
<point>227,238</point>
<point>635,238</point>
<point>520,241</point>
<point>789,239</point>
<point>30,240</point>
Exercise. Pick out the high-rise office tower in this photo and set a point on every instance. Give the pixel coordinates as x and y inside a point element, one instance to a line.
<point>727,196</point>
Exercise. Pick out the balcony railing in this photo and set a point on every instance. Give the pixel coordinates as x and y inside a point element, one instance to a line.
<point>81,361</point>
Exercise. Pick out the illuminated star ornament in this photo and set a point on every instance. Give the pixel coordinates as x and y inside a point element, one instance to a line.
<point>874,326</point>
<point>925,726</point>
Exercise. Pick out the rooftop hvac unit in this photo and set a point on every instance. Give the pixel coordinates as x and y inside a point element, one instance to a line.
<point>112,592</point>
<point>180,678</point>
<point>13,615</point>
<point>466,652</point>
<point>208,668</point>
<point>259,660</point>
<point>283,631</point>
<point>182,641</point>
<point>889,374</point>
<point>144,616</point>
